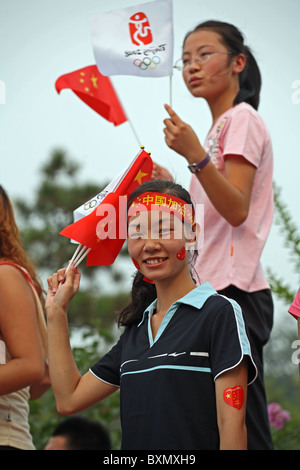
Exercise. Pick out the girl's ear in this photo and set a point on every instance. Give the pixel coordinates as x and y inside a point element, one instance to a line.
<point>192,234</point>
<point>239,63</point>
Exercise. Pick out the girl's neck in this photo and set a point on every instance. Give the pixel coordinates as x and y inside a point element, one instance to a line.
<point>219,108</point>
<point>220,104</point>
<point>170,290</point>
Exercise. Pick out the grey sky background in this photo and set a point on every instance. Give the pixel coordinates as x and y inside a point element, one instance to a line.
<point>41,40</point>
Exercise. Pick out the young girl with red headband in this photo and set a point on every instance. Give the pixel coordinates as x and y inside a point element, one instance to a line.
<point>183,362</point>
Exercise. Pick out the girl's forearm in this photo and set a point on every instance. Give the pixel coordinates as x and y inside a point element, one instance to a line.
<point>64,374</point>
<point>233,438</point>
<point>19,373</point>
<point>39,388</point>
<point>224,196</point>
<point>229,195</point>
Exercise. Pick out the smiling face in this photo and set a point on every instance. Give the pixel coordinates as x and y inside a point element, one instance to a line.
<point>155,242</point>
<point>216,76</point>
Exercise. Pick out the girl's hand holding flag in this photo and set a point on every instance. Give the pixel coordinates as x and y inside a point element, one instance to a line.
<point>62,287</point>
<point>181,138</point>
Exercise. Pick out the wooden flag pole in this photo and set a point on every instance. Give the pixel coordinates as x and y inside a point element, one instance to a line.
<point>134,132</point>
<point>80,253</point>
<point>128,119</point>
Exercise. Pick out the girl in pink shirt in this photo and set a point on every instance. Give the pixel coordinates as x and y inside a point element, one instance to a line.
<point>232,181</point>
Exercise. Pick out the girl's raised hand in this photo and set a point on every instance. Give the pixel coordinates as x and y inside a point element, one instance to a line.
<point>62,288</point>
<point>181,138</point>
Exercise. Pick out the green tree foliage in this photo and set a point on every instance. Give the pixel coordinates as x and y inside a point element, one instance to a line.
<point>43,414</point>
<point>291,235</point>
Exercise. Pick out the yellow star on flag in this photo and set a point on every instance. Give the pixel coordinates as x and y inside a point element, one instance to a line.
<point>140,176</point>
<point>94,81</point>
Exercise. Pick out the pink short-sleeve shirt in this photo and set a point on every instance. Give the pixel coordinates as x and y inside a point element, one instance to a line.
<point>295,307</point>
<point>231,255</point>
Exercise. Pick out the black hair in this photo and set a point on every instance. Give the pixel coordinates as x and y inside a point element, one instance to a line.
<point>233,39</point>
<point>143,293</point>
<point>82,433</point>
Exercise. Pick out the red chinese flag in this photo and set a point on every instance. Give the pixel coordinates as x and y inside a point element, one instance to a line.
<point>105,229</point>
<point>96,91</point>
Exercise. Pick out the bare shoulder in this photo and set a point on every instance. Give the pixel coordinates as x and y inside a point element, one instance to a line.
<point>11,278</point>
<point>9,271</point>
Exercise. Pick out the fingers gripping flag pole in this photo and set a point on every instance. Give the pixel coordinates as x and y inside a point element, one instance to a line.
<point>100,224</point>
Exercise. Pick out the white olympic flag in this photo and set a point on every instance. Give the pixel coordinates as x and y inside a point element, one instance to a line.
<point>137,40</point>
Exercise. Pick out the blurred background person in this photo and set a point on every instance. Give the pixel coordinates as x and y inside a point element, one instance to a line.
<point>79,433</point>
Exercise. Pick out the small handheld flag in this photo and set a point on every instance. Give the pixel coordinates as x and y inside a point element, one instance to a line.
<point>103,231</point>
<point>96,91</point>
<point>137,40</point>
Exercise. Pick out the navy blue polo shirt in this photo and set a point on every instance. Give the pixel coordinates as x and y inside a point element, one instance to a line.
<point>167,392</point>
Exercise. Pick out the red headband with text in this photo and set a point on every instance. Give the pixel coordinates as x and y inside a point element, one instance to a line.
<point>152,201</point>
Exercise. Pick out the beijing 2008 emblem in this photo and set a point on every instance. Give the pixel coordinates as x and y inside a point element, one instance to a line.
<point>141,35</point>
<point>139,28</point>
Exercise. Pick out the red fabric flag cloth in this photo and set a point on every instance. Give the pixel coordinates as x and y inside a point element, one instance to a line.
<point>96,91</point>
<point>105,229</point>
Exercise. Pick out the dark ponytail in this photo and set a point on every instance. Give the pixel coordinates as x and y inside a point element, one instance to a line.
<point>250,81</point>
<point>144,293</point>
<point>233,39</point>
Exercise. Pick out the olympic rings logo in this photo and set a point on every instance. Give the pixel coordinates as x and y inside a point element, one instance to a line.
<point>90,205</point>
<point>147,63</point>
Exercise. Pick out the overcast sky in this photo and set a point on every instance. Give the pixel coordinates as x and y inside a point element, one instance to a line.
<point>41,40</point>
